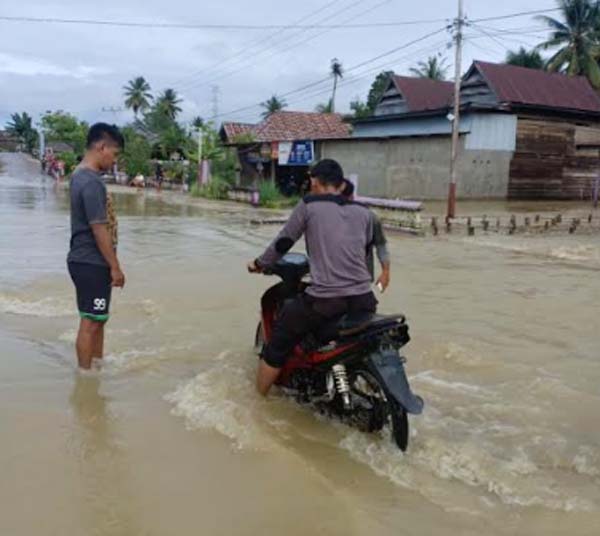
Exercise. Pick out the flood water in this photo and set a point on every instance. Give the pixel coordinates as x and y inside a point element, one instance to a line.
<point>169,437</point>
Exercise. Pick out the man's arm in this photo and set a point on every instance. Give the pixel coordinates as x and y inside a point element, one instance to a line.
<point>289,235</point>
<point>383,253</point>
<point>105,245</point>
<point>94,203</point>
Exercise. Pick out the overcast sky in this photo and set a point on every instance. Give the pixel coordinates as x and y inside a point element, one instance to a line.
<point>82,68</point>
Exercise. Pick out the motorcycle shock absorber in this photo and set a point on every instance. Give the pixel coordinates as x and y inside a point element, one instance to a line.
<point>342,384</point>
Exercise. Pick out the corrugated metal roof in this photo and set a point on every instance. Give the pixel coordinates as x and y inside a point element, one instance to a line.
<point>423,94</point>
<point>533,87</point>
<point>236,129</point>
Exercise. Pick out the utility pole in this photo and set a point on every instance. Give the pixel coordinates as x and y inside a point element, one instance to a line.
<point>216,91</point>
<point>458,24</point>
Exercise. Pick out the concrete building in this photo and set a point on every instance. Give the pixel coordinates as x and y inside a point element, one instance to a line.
<point>524,134</point>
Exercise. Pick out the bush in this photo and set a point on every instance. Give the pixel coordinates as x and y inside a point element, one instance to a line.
<point>70,161</point>
<point>269,194</point>
<point>216,189</point>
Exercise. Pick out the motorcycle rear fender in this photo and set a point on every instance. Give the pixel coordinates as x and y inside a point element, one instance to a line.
<point>389,368</point>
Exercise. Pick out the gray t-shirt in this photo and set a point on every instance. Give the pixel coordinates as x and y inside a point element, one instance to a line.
<point>88,206</point>
<point>338,236</point>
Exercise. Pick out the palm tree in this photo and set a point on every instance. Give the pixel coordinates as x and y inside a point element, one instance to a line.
<point>137,95</point>
<point>337,71</point>
<point>197,122</point>
<point>325,107</point>
<point>272,105</point>
<point>531,59</point>
<point>21,126</point>
<point>168,103</point>
<point>434,68</point>
<point>576,37</point>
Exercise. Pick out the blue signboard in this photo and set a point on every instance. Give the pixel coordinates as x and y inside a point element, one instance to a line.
<point>297,153</point>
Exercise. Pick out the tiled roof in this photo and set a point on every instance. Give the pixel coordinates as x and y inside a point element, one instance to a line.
<point>533,87</point>
<point>292,126</point>
<point>235,129</point>
<point>422,94</point>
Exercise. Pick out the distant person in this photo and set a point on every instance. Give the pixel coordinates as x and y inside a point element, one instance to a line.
<point>378,241</point>
<point>92,260</point>
<point>159,176</point>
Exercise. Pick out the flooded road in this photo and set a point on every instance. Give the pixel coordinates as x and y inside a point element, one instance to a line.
<point>169,438</point>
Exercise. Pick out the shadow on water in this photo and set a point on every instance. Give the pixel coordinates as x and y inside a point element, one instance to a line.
<point>106,510</point>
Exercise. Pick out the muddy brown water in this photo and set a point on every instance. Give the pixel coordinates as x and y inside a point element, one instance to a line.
<point>169,437</point>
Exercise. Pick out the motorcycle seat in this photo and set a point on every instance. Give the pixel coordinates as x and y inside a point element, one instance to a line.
<point>355,324</point>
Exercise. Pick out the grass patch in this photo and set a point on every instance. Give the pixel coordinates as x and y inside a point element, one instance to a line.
<point>215,189</point>
<point>271,197</point>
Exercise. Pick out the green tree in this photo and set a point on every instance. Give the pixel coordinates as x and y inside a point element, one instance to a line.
<point>62,126</point>
<point>137,95</point>
<point>135,158</point>
<point>21,126</point>
<point>337,71</point>
<point>172,140</point>
<point>168,103</point>
<point>272,105</point>
<point>325,107</point>
<point>197,122</point>
<point>575,36</point>
<point>434,68</point>
<point>360,109</point>
<point>378,87</point>
<point>531,59</point>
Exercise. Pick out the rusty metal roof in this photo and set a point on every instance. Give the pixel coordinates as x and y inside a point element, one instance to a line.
<point>532,87</point>
<point>422,94</point>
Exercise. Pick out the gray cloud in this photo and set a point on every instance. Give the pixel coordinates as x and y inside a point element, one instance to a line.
<point>83,68</point>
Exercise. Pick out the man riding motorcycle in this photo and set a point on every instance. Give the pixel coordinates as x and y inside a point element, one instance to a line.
<point>338,236</point>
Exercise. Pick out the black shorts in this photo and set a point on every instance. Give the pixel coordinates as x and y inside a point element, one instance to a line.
<point>93,285</point>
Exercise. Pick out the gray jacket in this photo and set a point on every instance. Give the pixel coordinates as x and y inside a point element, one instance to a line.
<point>339,235</point>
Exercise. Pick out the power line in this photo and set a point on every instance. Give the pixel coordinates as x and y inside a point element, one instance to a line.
<point>357,66</point>
<point>294,45</point>
<point>216,26</point>
<point>515,15</point>
<point>197,26</point>
<point>252,45</point>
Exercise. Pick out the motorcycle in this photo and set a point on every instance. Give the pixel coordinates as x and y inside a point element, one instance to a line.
<point>350,369</point>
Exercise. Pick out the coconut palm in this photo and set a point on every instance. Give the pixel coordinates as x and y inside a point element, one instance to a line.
<point>575,35</point>
<point>272,105</point>
<point>337,71</point>
<point>168,103</point>
<point>325,107</point>
<point>197,122</point>
<point>531,59</point>
<point>434,68</point>
<point>21,126</point>
<point>137,95</point>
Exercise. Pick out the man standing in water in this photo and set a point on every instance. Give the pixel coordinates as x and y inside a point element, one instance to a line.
<point>92,259</point>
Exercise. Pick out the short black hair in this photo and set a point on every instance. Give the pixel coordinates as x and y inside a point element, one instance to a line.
<point>328,171</point>
<point>348,190</point>
<point>104,131</point>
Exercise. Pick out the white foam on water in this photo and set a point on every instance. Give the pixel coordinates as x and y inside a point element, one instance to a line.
<point>45,307</point>
<point>222,398</point>
<point>516,481</point>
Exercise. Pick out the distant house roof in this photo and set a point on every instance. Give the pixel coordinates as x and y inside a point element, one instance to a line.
<point>422,94</point>
<point>60,147</point>
<point>232,130</point>
<point>532,87</point>
<point>290,126</point>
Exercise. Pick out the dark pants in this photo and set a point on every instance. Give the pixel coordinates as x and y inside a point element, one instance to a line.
<point>306,314</point>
